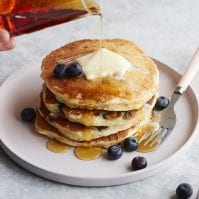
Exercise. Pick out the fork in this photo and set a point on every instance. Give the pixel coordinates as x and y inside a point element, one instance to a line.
<point>168,119</point>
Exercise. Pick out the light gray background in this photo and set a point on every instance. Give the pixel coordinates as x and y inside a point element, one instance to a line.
<point>167,30</point>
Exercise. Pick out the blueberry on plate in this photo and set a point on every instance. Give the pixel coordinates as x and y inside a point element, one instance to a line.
<point>114,152</point>
<point>59,71</point>
<point>28,115</point>
<point>138,163</point>
<point>161,103</point>
<point>184,191</point>
<point>73,70</point>
<point>130,144</point>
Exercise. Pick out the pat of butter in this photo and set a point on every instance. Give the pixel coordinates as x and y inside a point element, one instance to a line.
<point>104,62</point>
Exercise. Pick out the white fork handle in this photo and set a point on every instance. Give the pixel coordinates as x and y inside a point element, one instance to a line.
<point>192,69</point>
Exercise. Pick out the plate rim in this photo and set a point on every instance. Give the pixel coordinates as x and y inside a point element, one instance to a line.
<point>124,177</point>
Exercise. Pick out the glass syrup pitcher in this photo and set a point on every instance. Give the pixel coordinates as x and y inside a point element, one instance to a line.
<point>25,16</point>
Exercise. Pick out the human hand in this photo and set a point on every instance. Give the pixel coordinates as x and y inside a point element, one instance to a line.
<point>6,43</point>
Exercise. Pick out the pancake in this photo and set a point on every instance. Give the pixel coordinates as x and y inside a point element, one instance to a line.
<point>79,132</point>
<point>107,93</point>
<point>94,117</point>
<point>44,128</point>
<point>51,103</point>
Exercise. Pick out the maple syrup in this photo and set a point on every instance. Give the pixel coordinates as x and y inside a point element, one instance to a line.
<point>57,147</point>
<point>88,153</point>
<point>87,135</point>
<point>101,34</point>
<point>22,16</point>
<point>147,130</point>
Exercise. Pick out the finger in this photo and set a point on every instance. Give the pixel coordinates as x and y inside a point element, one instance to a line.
<point>10,44</point>
<point>5,42</point>
<point>4,36</point>
<point>7,46</point>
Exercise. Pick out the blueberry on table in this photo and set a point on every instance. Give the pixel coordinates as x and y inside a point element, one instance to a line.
<point>73,70</point>
<point>161,103</point>
<point>184,191</point>
<point>138,163</point>
<point>114,152</point>
<point>130,144</point>
<point>28,115</point>
<point>59,71</point>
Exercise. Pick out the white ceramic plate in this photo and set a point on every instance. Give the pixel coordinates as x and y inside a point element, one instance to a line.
<point>27,148</point>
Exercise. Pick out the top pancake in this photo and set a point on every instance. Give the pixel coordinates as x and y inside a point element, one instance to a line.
<point>107,93</point>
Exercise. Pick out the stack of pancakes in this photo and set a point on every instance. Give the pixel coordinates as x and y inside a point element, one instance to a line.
<point>99,112</point>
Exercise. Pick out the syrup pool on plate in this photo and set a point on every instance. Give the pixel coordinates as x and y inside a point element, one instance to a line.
<point>88,153</point>
<point>57,147</point>
<point>82,153</point>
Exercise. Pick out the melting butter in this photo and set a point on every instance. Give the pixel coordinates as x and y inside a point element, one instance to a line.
<point>104,62</point>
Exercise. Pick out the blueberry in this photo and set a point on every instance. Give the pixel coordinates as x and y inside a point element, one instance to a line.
<point>130,144</point>
<point>74,70</point>
<point>114,152</point>
<point>60,106</point>
<point>139,163</point>
<point>28,115</point>
<point>184,191</point>
<point>59,71</point>
<point>161,103</point>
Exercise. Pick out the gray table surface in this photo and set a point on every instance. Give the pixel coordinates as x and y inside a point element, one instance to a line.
<point>167,30</point>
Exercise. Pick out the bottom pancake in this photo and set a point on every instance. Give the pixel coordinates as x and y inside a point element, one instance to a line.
<point>44,128</point>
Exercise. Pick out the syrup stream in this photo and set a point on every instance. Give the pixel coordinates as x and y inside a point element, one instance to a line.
<point>101,33</point>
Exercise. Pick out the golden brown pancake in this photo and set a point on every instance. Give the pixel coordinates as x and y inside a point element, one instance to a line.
<point>105,93</point>
<point>51,103</point>
<point>89,117</point>
<point>44,128</point>
<point>79,132</point>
